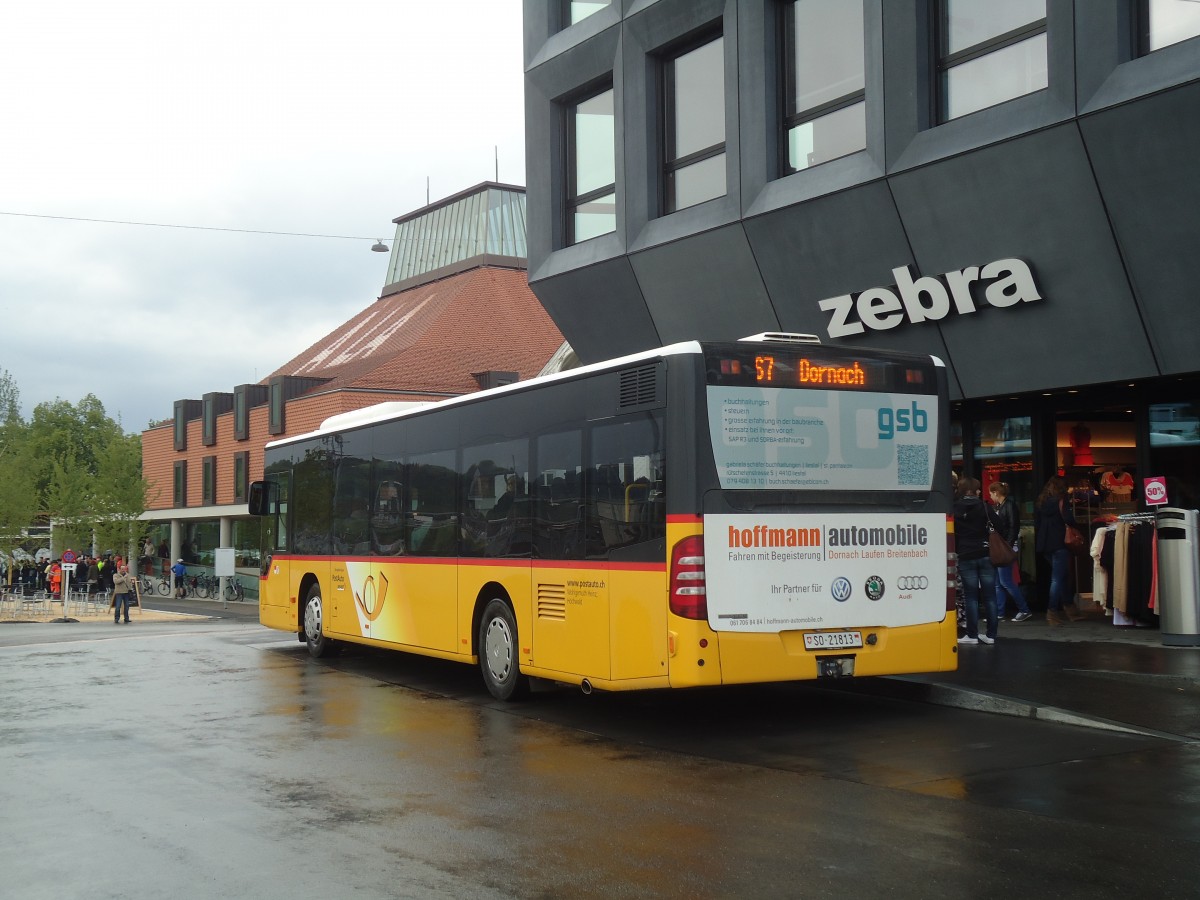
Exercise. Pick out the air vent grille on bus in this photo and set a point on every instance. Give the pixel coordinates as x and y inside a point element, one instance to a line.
<point>638,386</point>
<point>552,601</point>
<point>781,337</point>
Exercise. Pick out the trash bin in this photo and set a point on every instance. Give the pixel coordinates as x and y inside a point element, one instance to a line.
<point>1179,576</point>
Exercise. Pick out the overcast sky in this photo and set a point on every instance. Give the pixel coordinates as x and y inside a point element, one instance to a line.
<point>269,115</point>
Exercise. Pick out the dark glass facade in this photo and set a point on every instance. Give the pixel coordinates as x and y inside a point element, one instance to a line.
<point>1018,198</point>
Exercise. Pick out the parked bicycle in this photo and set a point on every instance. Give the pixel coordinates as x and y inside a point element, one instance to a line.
<point>152,584</point>
<point>234,590</point>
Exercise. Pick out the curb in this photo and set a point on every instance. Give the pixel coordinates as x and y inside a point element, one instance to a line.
<point>900,687</point>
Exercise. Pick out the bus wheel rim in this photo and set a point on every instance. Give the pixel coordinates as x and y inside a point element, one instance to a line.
<point>312,619</point>
<point>498,648</point>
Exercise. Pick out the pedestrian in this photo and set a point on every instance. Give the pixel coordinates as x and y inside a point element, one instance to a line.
<point>1051,515</point>
<point>108,570</point>
<point>121,595</point>
<point>1006,519</point>
<point>93,575</point>
<point>54,579</point>
<point>974,565</point>
<point>179,570</point>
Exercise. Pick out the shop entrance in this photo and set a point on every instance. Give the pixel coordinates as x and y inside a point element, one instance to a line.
<point>1096,455</point>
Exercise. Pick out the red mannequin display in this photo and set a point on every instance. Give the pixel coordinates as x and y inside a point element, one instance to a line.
<point>1081,444</point>
<point>1118,483</point>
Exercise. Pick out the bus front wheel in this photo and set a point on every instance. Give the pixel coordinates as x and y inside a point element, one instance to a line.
<point>498,653</point>
<point>314,620</point>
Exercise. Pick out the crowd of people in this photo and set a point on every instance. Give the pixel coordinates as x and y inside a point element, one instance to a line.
<point>92,573</point>
<point>988,585</point>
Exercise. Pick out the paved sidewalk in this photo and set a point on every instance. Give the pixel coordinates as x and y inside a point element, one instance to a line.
<point>1088,673</point>
<point>91,615</point>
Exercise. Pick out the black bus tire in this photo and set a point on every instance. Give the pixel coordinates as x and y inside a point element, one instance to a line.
<point>499,654</point>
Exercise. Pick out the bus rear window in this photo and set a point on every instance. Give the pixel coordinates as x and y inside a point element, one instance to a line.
<point>822,439</point>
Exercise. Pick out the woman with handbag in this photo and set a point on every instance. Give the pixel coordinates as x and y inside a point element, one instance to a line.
<point>1007,520</point>
<point>1051,516</point>
<point>971,522</point>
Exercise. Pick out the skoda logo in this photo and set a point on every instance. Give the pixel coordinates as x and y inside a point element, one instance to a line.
<point>912,583</point>
<point>841,589</point>
<point>874,587</point>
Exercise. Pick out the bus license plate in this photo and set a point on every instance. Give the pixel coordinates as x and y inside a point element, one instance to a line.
<point>832,640</point>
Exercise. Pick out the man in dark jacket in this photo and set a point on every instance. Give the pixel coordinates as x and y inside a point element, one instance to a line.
<point>974,566</point>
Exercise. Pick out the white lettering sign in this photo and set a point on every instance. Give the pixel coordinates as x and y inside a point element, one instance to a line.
<point>1006,282</point>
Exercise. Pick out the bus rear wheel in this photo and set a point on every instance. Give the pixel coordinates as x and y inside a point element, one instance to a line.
<point>314,621</point>
<point>498,653</point>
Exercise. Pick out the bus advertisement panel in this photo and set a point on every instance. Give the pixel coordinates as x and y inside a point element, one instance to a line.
<point>778,573</point>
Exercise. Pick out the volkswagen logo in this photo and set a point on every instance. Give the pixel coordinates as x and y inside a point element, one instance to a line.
<point>841,589</point>
<point>912,583</point>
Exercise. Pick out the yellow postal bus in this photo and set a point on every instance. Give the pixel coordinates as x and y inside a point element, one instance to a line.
<point>703,514</point>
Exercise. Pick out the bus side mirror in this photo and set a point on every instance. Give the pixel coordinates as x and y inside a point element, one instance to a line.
<point>259,498</point>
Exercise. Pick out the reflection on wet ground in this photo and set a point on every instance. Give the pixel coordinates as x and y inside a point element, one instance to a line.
<point>223,762</point>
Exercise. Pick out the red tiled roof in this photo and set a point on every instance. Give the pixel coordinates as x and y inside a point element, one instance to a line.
<point>433,336</point>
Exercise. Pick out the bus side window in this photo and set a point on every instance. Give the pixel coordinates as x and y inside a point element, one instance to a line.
<point>624,497</point>
<point>495,511</point>
<point>432,529</point>
<point>312,508</point>
<point>351,505</point>
<point>388,513</point>
<point>558,507</point>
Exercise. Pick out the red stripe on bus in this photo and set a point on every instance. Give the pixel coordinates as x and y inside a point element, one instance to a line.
<point>582,564</point>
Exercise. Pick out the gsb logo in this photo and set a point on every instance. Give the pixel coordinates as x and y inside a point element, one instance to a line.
<point>898,421</point>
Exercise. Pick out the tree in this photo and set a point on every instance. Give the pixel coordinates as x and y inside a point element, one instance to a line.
<point>18,493</point>
<point>69,501</point>
<point>59,431</point>
<point>120,495</point>
<point>70,462</point>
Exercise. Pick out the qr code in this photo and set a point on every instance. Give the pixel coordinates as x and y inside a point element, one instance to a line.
<point>912,464</point>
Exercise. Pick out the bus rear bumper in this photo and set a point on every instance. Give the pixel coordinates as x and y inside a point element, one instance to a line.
<point>913,649</point>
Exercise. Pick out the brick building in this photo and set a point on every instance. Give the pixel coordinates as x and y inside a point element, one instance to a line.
<point>456,315</point>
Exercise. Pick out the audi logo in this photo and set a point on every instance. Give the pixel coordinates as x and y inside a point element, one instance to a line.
<point>912,583</point>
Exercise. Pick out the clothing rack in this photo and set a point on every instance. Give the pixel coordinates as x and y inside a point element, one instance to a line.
<point>1137,517</point>
<point>1133,588</point>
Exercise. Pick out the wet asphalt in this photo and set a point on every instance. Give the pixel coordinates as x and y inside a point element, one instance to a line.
<point>1091,673</point>
<point>212,758</point>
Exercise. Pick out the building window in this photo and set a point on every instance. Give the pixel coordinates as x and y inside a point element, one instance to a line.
<point>209,421</point>
<point>241,475</point>
<point>209,481</point>
<point>578,10</point>
<point>276,422</point>
<point>988,53</point>
<point>180,499</point>
<point>825,110</point>
<point>241,414</point>
<point>592,191</point>
<point>1165,22</point>
<point>694,120</point>
<point>181,424</point>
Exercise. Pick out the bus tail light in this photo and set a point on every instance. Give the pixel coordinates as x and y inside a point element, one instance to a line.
<point>951,566</point>
<point>688,591</point>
